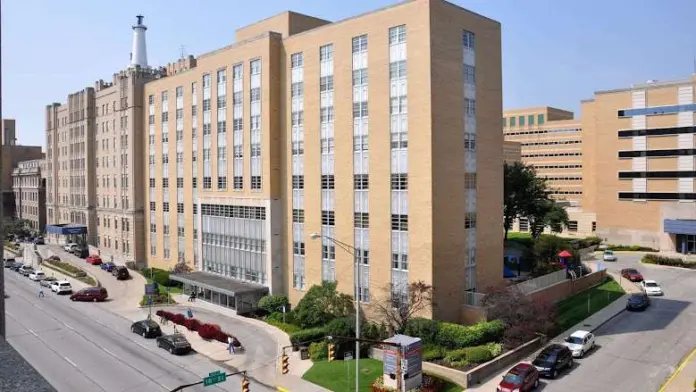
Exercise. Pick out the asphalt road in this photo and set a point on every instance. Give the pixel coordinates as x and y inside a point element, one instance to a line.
<point>638,351</point>
<point>84,347</point>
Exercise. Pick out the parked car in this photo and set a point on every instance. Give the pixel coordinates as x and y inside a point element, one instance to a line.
<point>16,266</point>
<point>10,262</point>
<point>70,246</point>
<point>147,329</point>
<point>96,294</point>
<point>26,270</point>
<point>650,287</point>
<point>48,281</point>
<point>553,359</point>
<point>609,255</point>
<point>39,241</point>
<point>580,342</point>
<point>638,302</point>
<point>632,274</point>
<point>61,287</point>
<point>80,252</point>
<point>108,266</point>
<point>54,258</point>
<point>120,272</point>
<point>94,259</point>
<point>523,377</point>
<point>175,343</point>
<point>37,276</point>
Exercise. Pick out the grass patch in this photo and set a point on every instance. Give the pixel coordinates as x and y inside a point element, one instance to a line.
<point>339,376</point>
<point>163,289</point>
<point>575,309</point>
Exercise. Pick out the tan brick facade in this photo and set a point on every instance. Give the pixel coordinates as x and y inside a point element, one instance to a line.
<point>29,187</point>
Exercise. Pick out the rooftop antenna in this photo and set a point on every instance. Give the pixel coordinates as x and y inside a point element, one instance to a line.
<point>182,50</point>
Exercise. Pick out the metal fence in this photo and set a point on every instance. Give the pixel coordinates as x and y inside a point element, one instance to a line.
<point>473,299</point>
<point>541,282</point>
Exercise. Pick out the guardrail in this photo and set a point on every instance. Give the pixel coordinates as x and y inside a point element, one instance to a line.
<point>542,282</point>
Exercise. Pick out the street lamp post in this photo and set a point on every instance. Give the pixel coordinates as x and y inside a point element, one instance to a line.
<point>356,287</point>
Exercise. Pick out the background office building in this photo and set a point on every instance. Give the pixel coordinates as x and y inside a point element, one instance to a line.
<point>551,141</point>
<point>12,154</point>
<point>273,159</point>
<point>94,161</point>
<point>638,151</point>
<point>29,187</point>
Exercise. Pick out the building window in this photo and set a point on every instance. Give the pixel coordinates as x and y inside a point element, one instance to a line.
<point>524,224</point>
<point>207,183</point>
<point>328,218</point>
<point>470,220</point>
<point>469,40</point>
<point>540,119</point>
<point>399,181</point>
<point>256,182</point>
<point>297,216</point>
<point>397,35</point>
<point>573,226</point>
<point>400,261</point>
<point>469,74</point>
<point>194,183</point>
<point>470,181</point>
<point>530,119</point>
<point>180,182</point>
<point>326,83</point>
<point>296,60</point>
<point>328,252</point>
<point>238,182</point>
<point>327,181</point>
<point>297,182</point>
<point>470,141</point>
<point>360,44</point>
<point>470,107</point>
<point>504,122</point>
<point>594,226</point>
<point>298,248</point>
<point>361,220</point>
<point>222,182</point>
<point>180,208</point>
<point>361,182</point>
<point>513,122</point>
<point>165,206</point>
<point>399,222</point>
<point>153,206</point>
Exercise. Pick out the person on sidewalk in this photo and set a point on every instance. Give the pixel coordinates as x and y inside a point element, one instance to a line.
<point>189,313</point>
<point>230,345</point>
<point>192,297</point>
<point>41,293</point>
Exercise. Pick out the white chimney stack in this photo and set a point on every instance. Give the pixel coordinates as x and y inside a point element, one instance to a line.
<point>139,51</point>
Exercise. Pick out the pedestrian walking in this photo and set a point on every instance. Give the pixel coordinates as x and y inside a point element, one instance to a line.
<point>41,293</point>
<point>230,345</point>
<point>189,312</point>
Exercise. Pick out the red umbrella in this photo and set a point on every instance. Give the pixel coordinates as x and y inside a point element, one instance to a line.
<point>565,254</point>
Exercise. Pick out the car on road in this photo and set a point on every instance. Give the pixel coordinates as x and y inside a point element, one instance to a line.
<point>609,255</point>
<point>61,287</point>
<point>94,259</point>
<point>10,262</point>
<point>580,342</point>
<point>120,272</point>
<point>632,274</point>
<point>39,241</point>
<point>95,294</point>
<point>175,343</point>
<point>53,258</point>
<point>70,246</point>
<point>638,302</point>
<point>108,266</point>
<point>523,377</point>
<point>80,252</point>
<point>146,328</point>
<point>37,276</point>
<point>48,281</point>
<point>16,266</point>
<point>650,287</point>
<point>26,270</point>
<point>553,359</point>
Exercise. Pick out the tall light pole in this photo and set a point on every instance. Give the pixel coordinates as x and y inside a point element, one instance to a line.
<point>356,277</point>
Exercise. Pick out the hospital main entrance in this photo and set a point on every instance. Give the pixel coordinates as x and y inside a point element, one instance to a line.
<point>237,295</point>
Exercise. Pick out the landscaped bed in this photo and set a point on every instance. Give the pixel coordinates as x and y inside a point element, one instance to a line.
<point>652,258</point>
<point>573,310</point>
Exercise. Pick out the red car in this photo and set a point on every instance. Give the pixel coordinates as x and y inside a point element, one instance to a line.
<point>96,294</point>
<point>524,377</point>
<point>94,260</point>
<point>632,274</point>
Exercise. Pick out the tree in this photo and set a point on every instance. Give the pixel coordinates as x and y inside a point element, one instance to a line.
<point>181,267</point>
<point>321,304</point>
<point>396,313</point>
<point>523,316</point>
<point>546,213</point>
<point>19,227</point>
<point>522,191</point>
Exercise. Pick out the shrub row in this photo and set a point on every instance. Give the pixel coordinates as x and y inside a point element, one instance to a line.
<point>652,258</point>
<point>67,267</point>
<point>158,275</point>
<point>453,336</point>
<point>285,327</point>
<point>205,331</point>
<point>475,354</point>
<point>307,335</point>
<point>159,298</point>
<point>319,351</point>
<point>630,248</point>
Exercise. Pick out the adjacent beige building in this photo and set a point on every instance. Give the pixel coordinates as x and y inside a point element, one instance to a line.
<point>512,152</point>
<point>12,154</point>
<point>29,187</point>
<point>275,159</point>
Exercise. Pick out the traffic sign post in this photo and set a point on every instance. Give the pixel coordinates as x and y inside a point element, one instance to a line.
<point>213,378</point>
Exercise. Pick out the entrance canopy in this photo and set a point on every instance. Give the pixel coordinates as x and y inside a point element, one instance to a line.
<point>66,229</point>
<point>220,284</point>
<point>680,226</point>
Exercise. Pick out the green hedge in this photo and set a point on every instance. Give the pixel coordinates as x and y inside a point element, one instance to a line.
<point>285,327</point>
<point>630,248</point>
<point>158,275</point>
<point>455,336</point>
<point>475,354</point>
<point>652,258</point>
<point>433,352</point>
<point>319,351</point>
<point>307,335</point>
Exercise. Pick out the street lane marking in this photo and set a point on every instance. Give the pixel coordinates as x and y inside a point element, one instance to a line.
<point>69,327</point>
<point>70,362</point>
<point>112,354</point>
<point>679,369</point>
<point>37,306</point>
<point>9,314</point>
<point>33,333</point>
<point>143,346</point>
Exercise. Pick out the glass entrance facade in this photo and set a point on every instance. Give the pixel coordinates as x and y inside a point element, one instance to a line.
<point>686,243</point>
<point>212,296</point>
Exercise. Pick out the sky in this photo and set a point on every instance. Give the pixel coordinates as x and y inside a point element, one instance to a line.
<point>555,52</point>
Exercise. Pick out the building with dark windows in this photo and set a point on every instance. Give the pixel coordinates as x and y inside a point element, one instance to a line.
<point>12,155</point>
<point>638,157</point>
<point>29,185</point>
<point>308,147</point>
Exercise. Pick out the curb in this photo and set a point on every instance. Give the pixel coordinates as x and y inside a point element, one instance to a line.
<point>600,325</point>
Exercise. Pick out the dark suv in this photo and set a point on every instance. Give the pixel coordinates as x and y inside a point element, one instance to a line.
<point>146,328</point>
<point>120,272</point>
<point>552,359</point>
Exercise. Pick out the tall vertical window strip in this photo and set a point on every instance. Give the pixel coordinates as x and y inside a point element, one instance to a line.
<point>470,177</point>
<point>361,235</point>
<point>207,130</point>
<point>222,129</point>
<point>255,126</point>
<point>238,126</point>
<point>152,165</point>
<point>399,163</point>
<point>326,125</point>
<point>297,148</point>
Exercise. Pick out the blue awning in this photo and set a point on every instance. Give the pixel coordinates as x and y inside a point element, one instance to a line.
<point>66,229</point>
<point>680,226</point>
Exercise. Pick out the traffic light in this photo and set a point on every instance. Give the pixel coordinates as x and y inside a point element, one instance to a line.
<point>284,364</point>
<point>332,352</point>
<point>245,384</point>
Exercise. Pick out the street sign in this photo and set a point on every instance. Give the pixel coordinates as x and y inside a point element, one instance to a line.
<point>150,289</point>
<point>348,356</point>
<point>213,378</point>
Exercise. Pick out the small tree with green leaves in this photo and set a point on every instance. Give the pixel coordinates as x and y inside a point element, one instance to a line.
<point>321,304</point>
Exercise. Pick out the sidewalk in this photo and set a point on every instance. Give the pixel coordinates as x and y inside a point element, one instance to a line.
<point>682,380</point>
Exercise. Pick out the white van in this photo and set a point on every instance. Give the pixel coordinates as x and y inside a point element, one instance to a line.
<point>37,276</point>
<point>61,287</point>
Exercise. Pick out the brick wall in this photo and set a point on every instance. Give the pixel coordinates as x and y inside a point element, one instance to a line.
<point>567,288</point>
